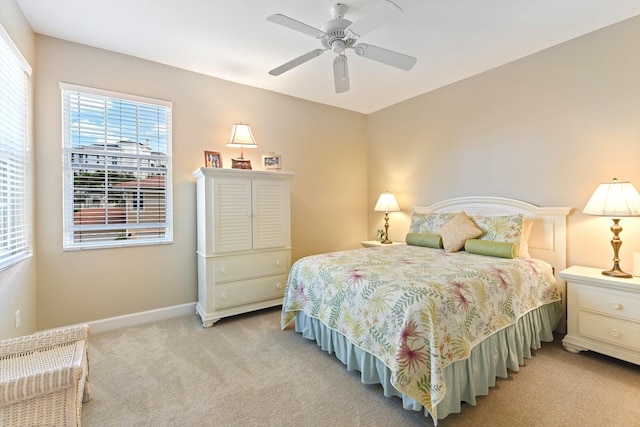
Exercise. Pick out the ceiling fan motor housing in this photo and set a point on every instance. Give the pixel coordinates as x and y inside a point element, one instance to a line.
<point>334,37</point>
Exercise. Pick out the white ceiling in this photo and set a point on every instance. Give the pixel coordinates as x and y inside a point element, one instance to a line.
<point>232,40</point>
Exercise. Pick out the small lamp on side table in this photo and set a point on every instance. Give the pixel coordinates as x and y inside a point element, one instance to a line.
<point>386,203</point>
<point>614,199</point>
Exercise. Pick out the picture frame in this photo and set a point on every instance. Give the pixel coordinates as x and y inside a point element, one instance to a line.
<point>272,162</point>
<point>212,159</point>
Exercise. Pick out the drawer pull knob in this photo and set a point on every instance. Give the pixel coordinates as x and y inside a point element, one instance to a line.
<point>616,305</point>
<point>225,270</point>
<point>279,285</point>
<point>278,263</point>
<point>224,295</point>
<point>614,332</point>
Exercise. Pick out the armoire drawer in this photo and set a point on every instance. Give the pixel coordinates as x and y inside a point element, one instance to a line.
<point>242,267</point>
<point>248,291</point>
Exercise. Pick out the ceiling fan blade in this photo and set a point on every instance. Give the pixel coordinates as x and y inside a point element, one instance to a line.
<point>389,57</point>
<point>341,73</point>
<point>285,21</point>
<point>377,16</point>
<point>297,61</point>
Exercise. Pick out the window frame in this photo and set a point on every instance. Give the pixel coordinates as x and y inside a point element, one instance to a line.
<point>70,152</point>
<point>16,181</point>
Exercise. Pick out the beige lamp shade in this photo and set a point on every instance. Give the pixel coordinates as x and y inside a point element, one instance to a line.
<point>241,136</point>
<point>386,203</point>
<point>615,199</point>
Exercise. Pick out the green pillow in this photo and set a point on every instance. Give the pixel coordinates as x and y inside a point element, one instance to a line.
<point>492,248</point>
<point>424,239</point>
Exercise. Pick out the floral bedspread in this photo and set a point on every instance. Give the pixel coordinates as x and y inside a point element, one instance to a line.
<point>416,309</point>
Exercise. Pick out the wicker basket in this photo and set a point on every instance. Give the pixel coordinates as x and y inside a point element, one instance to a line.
<point>44,378</point>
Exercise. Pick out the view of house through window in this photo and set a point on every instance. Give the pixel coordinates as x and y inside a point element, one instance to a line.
<point>117,169</point>
<point>15,155</point>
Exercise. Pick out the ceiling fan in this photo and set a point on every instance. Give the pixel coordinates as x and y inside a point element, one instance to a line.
<point>339,34</point>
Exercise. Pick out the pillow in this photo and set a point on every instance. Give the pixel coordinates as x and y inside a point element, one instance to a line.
<point>506,228</point>
<point>429,223</point>
<point>524,239</point>
<point>492,248</point>
<point>427,240</point>
<point>455,232</point>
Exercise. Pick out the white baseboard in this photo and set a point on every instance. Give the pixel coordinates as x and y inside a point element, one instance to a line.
<point>142,317</point>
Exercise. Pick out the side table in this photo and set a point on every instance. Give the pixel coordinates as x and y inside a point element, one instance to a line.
<point>603,313</point>
<point>370,243</point>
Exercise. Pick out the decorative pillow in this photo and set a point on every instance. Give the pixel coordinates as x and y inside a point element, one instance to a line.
<point>455,232</point>
<point>427,240</point>
<point>507,228</point>
<point>429,223</point>
<point>524,240</point>
<point>492,248</point>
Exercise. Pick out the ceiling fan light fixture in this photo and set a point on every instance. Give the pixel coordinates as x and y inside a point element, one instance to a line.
<point>338,46</point>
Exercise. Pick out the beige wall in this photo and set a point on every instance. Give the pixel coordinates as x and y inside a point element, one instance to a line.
<point>324,146</point>
<point>546,129</point>
<point>18,283</point>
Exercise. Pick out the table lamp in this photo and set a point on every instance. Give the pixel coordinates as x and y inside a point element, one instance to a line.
<point>386,203</point>
<point>614,199</point>
<point>242,137</point>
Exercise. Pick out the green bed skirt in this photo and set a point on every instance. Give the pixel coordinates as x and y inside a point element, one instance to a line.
<point>465,379</point>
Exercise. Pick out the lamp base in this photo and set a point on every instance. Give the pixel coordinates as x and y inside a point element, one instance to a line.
<point>615,244</point>
<point>240,163</point>
<point>386,240</point>
<point>616,272</point>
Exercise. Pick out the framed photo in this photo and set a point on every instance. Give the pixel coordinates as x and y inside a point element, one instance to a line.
<point>272,162</point>
<point>212,159</point>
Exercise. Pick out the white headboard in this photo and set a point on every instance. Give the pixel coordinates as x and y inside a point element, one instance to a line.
<point>548,240</point>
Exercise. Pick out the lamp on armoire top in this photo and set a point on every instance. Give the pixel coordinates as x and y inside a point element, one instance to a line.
<point>614,199</point>
<point>242,137</point>
<point>386,203</point>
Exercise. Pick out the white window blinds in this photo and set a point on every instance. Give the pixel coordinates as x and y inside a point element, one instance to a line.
<point>15,152</point>
<point>117,169</point>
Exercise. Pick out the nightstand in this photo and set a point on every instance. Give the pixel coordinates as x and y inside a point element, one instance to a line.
<point>603,313</point>
<point>370,243</point>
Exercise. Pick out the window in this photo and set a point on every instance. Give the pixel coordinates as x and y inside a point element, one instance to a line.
<point>117,169</point>
<point>15,154</point>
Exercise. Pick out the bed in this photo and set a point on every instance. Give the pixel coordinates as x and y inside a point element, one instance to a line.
<point>435,327</point>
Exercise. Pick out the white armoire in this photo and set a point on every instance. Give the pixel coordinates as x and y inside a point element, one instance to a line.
<point>244,240</point>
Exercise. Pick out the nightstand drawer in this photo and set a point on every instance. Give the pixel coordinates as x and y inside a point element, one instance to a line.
<point>609,303</point>
<point>618,333</point>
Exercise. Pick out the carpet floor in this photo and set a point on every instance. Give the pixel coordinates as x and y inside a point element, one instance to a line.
<point>245,371</point>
